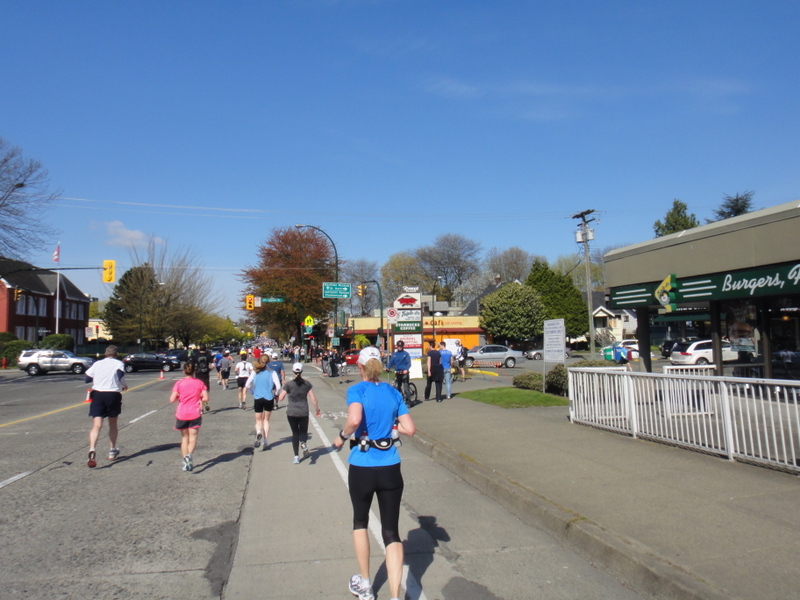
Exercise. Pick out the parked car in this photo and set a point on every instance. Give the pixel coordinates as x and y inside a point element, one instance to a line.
<point>178,353</point>
<point>493,352</point>
<point>699,352</point>
<point>149,360</point>
<point>539,354</point>
<point>351,356</point>
<point>39,362</point>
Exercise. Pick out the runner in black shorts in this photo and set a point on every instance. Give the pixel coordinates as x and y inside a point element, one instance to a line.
<point>108,381</point>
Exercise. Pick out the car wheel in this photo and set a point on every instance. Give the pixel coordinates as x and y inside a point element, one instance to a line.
<point>129,368</point>
<point>33,370</point>
<point>701,361</point>
<point>167,368</point>
<point>470,362</point>
<point>510,362</point>
<point>78,368</point>
<point>537,356</point>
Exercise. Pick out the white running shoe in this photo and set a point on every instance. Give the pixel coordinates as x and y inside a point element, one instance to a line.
<point>257,443</point>
<point>187,463</point>
<point>357,588</point>
<point>113,453</point>
<point>304,448</point>
<point>296,460</point>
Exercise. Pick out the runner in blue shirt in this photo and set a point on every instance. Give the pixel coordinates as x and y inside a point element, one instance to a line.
<point>373,407</point>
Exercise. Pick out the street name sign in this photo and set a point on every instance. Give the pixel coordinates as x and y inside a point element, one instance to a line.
<point>272,300</point>
<point>341,291</point>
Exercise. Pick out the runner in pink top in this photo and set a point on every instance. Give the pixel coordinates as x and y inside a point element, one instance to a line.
<point>189,393</point>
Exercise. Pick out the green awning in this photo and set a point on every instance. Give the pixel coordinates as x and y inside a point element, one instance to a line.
<point>682,317</point>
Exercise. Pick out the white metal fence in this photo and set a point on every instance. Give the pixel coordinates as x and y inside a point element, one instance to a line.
<point>753,420</point>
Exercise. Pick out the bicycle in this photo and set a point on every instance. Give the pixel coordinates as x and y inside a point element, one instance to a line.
<point>411,398</point>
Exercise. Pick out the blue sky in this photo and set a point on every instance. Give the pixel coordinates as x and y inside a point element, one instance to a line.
<point>387,123</point>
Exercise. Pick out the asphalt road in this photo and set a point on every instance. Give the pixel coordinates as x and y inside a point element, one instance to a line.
<point>139,527</point>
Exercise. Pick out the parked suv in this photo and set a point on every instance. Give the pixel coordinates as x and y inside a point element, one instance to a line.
<point>699,353</point>
<point>39,362</point>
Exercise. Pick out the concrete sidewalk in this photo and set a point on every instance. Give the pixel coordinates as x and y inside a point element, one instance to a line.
<point>670,522</point>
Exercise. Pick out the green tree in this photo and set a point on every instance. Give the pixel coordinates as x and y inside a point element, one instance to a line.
<point>733,206</point>
<point>560,298</point>
<point>514,312</point>
<point>124,312</point>
<point>676,220</point>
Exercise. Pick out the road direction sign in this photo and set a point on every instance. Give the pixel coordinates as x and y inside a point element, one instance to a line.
<point>272,300</point>
<point>336,290</point>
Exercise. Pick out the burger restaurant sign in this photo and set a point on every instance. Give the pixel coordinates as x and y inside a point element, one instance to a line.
<point>764,281</point>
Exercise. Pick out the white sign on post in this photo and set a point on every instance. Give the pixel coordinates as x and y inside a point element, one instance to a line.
<point>554,337</point>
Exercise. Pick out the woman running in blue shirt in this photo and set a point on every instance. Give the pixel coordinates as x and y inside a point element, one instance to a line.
<point>373,408</point>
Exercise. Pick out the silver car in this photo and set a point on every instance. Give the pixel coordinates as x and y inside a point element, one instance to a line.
<point>39,362</point>
<point>539,354</point>
<point>494,353</point>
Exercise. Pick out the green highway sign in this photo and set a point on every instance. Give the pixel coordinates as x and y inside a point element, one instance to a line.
<point>272,299</point>
<point>336,290</point>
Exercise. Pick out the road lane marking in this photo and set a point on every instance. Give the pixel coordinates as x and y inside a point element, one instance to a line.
<point>410,583</point>
<point>14,478</point>
<point>142,417</point>
<point>58,410</point>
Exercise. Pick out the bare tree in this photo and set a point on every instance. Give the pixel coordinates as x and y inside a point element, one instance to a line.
<point>23,193</point>
<point>355,272</point>
<point>511,264</point>
<point>401,270</point>
<point>454,259</point>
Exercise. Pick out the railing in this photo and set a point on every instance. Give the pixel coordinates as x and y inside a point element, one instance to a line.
<point>753,420</point>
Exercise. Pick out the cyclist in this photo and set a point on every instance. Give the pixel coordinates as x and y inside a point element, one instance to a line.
<point>400,361</point>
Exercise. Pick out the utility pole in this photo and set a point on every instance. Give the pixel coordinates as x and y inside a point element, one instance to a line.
<point>583,235</point>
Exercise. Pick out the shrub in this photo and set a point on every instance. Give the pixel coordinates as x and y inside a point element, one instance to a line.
<point>594,363</point>
<point>58,341</point>
<point>557,381</point>
<point>528,381</point>
<point>12,350</point>
<point>5,337</point>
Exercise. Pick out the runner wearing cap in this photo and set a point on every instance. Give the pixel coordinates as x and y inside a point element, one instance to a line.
<point>299,392</point>
<point>373,407</point>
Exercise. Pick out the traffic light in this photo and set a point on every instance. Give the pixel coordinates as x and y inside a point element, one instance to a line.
<point>360,288</point>
<point>109,267</point>
<point>249,302</point>
<point>17,295</point>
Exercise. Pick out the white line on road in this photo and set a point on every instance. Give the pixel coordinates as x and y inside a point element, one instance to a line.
<point>14,478</point>
<point>143,416</point>
<point>413,588</point>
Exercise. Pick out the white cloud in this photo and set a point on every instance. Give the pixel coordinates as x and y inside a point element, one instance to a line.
<point>119,235</point>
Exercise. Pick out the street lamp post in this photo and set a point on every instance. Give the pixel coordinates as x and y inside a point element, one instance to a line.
<point>380,302</point>
<point>433,308</point>
<point>336,273</point>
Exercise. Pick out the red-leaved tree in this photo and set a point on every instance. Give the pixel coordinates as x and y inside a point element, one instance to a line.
<point>292,264</point>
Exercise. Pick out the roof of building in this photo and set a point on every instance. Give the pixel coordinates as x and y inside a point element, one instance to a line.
<point>25,276</point>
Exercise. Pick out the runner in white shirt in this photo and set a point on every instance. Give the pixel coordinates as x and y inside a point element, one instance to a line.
<point>108,383</point>
<point>243,370</point>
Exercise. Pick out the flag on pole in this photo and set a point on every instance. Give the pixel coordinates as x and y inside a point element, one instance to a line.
<point>57,253</point>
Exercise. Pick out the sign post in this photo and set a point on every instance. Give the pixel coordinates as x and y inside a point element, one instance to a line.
<point>554,336</point>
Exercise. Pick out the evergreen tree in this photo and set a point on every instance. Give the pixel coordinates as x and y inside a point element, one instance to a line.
<point>733,206</point>
<point>514,312</point>
<point>677,219</point>
<point>560,297</point>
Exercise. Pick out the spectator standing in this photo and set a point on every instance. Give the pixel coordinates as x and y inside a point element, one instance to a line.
<point>189,393</point>
<point>434,372</point>
<point>461,359</point>
<point>400,361</point>
<point>447,368</point>
<point>108,383</point>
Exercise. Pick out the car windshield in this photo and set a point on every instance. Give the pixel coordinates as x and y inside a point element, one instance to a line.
<point>475,348</point>
<point>681,346</point>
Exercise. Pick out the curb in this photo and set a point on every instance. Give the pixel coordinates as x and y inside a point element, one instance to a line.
<point>636,565</point>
